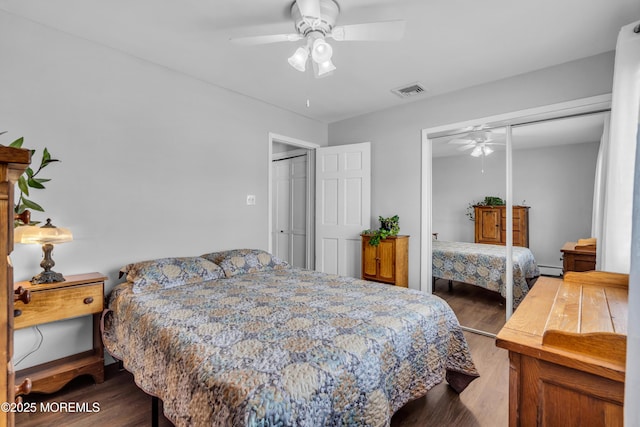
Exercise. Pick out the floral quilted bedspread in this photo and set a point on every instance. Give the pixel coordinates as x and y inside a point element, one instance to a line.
<point>286,348</point>
<point>484,265</point>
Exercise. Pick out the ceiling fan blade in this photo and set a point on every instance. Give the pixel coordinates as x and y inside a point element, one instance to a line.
<point>257,40</point>
<point>309,8</point>
<point>492,138</point>
<point>467,147</point>
<point>372,31</point>
<point>461,141</point>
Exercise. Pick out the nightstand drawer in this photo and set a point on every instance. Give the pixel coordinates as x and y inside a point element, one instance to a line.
<point>60,303</point>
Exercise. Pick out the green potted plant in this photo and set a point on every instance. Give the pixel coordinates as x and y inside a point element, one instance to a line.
<point>388,227</point>
<point>30,179</point>
<point>488,201</point>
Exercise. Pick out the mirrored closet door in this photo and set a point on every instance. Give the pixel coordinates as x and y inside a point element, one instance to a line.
<point>524,198</point>
<point>468,225</point>
<point>554,171</point>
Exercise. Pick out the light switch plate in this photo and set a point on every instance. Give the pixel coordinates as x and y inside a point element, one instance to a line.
<point>251,199</point>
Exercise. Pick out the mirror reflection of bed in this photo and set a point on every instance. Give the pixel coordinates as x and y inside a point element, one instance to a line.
<point>460,179</point>
<point>553,170</point>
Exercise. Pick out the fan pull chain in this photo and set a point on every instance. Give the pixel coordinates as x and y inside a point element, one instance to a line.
<point>308,89</point>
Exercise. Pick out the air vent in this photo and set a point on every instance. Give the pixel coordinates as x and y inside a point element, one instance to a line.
<point>411,89</point>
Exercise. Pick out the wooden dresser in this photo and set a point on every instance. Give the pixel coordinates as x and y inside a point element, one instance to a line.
<point>491,225</point>
<point>388,262</point>
<point>13,162</point>
<point>567,351</point>
<point>578,258</point>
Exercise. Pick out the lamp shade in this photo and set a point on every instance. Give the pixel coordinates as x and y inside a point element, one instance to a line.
<point>321,51</point>
<point>324,69</point>
<point>477,151</point>
<point>299,59</point>
<point>48,233</point>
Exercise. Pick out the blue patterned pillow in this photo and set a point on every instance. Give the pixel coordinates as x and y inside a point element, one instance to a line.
<point>167,273</point>
<point>241,261</point>
<point>218,257</point>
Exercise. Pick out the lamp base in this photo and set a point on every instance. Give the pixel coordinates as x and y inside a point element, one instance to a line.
<point>47,277</point>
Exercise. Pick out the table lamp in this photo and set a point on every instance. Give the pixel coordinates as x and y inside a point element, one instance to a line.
<point>47,236</point>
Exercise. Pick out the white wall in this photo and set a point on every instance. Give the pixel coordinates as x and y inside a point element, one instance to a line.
<point>458,181</point>
<point>556,182</point>
<point>154,163</point>
<point>395,134</point>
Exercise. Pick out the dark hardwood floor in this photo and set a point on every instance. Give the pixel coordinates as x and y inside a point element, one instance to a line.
<point>483,403</point>
<point>475,307</point>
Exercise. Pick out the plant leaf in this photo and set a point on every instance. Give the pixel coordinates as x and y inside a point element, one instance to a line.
<point>45,164</point>
<point>41,180</point>
<point>33,183</point>
<point>32,205</point>
<point>17,143</point>
<point>29,172</point>
<point>20,208</point>
<point>22,184</point>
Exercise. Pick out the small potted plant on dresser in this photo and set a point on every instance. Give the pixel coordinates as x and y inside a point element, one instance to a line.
<point>385,254</point>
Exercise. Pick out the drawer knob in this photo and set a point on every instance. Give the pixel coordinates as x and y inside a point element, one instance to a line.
<point>24,388</point>
<point>17,312</point>
<point>88,300</point>
<point>22,294</point>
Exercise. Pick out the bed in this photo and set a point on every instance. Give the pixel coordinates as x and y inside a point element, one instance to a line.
<point>250,341</point>
<point>484,265</point>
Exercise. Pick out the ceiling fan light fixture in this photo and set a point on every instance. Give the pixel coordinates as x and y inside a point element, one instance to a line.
<point>477,151</point>
<point>299,59</point>
<point>324,69</point>
<point>321,51</point>
<point>486,150</point>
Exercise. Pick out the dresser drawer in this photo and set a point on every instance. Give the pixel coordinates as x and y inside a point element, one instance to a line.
<point>60,303</point>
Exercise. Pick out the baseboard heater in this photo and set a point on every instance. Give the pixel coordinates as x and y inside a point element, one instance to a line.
<point>550,270</point>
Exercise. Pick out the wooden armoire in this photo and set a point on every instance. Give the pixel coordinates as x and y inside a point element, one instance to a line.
<point>491,225</point>
<point>13,162</point>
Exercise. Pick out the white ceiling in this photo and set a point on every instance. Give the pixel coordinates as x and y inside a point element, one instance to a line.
<point>448,44</point>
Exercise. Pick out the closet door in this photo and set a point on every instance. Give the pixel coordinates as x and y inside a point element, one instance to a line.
<point>282,209</point>
<point>290,210</point>
<point>298,202</point>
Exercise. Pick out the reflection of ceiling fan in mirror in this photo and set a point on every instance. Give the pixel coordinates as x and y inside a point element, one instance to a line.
<point>314,21</point>
<point>479,142</point>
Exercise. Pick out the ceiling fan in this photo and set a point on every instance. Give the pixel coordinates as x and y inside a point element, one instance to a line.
<point>314,21</point>
<point>480,141</point>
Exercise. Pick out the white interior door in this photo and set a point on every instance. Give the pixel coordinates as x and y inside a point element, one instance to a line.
<point>343,206</point>
<point>290,210</point>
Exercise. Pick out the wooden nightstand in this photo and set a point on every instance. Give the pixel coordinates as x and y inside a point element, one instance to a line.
<point>79,295</point>
<point>578,258</point>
